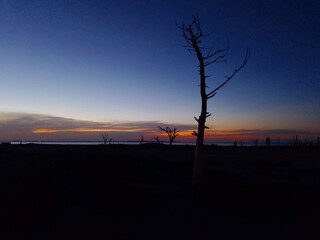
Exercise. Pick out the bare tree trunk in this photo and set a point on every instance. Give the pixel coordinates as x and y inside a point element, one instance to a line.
<point>197,172</point>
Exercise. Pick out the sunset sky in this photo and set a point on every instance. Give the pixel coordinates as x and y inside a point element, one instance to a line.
<point>71,69</point>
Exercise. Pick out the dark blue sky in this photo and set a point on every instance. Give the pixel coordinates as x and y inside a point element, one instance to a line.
<point>125,61</point>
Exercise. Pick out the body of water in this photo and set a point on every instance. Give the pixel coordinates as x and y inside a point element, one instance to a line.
<point>137,143</point>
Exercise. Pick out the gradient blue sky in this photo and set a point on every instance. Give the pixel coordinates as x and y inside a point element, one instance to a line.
<point>124,61</point>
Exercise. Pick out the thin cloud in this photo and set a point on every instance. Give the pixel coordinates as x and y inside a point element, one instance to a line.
<point>30,126</point>
<point>257,132</point>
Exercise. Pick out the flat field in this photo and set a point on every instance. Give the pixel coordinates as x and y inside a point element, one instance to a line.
<point>144,192</point>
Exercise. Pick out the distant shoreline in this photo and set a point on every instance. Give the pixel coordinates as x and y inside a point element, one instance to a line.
<point>245,143</point>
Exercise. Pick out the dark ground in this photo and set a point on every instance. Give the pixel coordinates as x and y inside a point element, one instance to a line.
<point>143,192</point>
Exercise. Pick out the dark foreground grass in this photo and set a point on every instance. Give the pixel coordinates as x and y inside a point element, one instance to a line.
<point>144,192</point>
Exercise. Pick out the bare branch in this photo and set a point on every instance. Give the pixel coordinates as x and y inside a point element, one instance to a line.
<point>210,95</point>
<point>233,74</point>
<point>210,55</point>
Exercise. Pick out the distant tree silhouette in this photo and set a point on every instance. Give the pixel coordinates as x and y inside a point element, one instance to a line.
<point>193,35</point>
<point>141,139</point>
<point>158,139</point>
<point>255,141</point>
<point>296,142</point>
<point>268,141</point>
<point>172,133</point>
<point>105,138</point>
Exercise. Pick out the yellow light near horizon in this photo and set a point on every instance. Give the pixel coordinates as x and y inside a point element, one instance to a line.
<point>180,134</point>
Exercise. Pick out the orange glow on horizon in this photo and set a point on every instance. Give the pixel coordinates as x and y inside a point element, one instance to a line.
<point>183,136</point>
<point>85,130</point>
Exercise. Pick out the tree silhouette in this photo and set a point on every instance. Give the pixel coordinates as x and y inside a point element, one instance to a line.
<point>268,141</point>
<point>105,138</point>
<point>158,139</point>
<point>193,35</point>
<point>172,133</point>
<point>141,139</point>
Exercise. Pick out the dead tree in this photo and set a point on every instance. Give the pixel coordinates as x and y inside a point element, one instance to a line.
<point>193,35</point>
<point>141,139</point>
<point>268,142</point>
<point>158,139</point>
<point>105,138</point>
<point>172,133</point>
